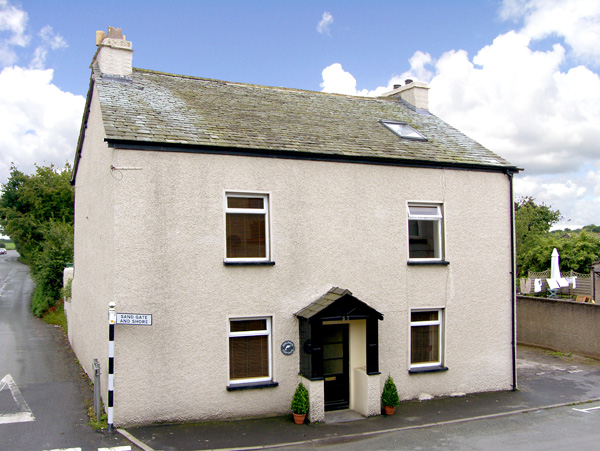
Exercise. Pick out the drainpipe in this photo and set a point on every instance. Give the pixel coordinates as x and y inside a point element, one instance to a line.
<point>513,281</point>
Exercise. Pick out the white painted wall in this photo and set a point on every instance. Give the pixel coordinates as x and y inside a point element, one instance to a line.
<point>151,239</point>
<point>93,277</point>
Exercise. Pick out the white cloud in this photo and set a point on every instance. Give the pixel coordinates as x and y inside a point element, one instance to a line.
<point>324,24</point>
<point>520,104</point>
<point>49,41</point>
<point>527,105</point>
<point>337,80</point>
<point>577,21</point>
<point>13,23</point>
<point>39,123</point>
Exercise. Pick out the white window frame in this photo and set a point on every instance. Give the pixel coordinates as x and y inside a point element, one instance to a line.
<point>439,322</point>
<point>258,211</point>
<point>439,218</point>
<point>404,130</point>
<point>251,333</point>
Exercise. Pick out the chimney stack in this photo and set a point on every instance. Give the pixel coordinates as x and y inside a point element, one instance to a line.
<point>413,92</point>
<point>114,55</point>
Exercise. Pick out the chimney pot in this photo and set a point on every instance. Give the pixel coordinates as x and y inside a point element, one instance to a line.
<point>397,86</point>
<point>116,33</point>
<point>408,81</point>
<point>100,35</point>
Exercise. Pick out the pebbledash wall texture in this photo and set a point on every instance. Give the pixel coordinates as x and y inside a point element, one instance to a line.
<point>150,235</point>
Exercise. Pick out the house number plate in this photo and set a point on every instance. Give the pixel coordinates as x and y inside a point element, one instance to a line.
<point>287,347</point>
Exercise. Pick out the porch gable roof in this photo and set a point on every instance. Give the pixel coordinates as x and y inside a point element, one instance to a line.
<point>338,304</point>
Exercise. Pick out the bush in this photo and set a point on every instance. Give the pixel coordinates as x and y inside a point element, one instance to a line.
<point>41,301</point>
<point>49,262</point>
<point>300,403</point>
<point>390,397</point>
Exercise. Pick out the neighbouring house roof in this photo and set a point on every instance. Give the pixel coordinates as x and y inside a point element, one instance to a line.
<point>170,112</point>
<point>336,304</point>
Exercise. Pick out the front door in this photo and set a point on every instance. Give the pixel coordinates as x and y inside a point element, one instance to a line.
<point>336,366</point>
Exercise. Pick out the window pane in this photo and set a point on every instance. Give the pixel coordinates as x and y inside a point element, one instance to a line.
<point>425,344</point>
<point>404,130</point>
<point>246,235</point>
<point>424,316</point>
<point>427,244</point>
<point>248,357</point>
<point>335,366</point>
<point>245,202</point>
<point>413,229</point>
<point>248,325</point>
<point>333,351</point>
<point>424,210</point>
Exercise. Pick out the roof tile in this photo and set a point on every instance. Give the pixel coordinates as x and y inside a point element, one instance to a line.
<point>164,108</point>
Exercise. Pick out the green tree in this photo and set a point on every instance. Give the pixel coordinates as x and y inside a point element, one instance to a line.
<point>37,212</point>
<point>579,251</point>
<point>532,226</point>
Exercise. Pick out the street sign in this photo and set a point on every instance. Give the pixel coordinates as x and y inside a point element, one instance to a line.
<point>134,319</point>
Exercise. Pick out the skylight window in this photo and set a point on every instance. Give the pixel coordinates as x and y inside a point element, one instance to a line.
<point>403,130</point>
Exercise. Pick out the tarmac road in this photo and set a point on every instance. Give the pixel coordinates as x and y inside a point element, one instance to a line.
<point>563,428</point>
<point>41,389</point>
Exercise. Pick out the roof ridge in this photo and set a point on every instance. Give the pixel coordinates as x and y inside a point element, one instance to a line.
<point>253,85</point>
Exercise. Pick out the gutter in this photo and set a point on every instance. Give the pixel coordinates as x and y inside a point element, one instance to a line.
<point>513,282</point>
<point>132,144</point>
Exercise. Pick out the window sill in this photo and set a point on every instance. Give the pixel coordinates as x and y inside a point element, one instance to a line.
<point>265,263</point>
<point>428,263</point>
<point>428,369</point>
<point>251,386</point>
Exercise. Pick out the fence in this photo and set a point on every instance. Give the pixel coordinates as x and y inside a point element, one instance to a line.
<point>583,284</point>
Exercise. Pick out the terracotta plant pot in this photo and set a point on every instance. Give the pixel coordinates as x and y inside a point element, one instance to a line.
<point>389,410</point>
<point>299,418</point>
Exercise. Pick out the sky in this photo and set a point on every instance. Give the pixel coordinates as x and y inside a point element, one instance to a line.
<point>522,77</point>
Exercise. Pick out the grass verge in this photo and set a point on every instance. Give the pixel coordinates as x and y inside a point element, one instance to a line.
<point>55,315</point>
<point>96,424</point>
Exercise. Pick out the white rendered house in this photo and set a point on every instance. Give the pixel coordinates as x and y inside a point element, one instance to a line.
<point>279,235</point>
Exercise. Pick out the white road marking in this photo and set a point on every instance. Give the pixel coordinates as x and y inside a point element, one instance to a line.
<point>25,413</point>
<point>587,410</point>
<point>118,448</point>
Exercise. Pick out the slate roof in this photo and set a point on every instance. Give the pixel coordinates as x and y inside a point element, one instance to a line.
<point>159,108</point>
<point>323,302</point>
<point>354,307</point>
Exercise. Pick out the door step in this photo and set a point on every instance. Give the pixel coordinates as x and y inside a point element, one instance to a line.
<point>342,416</point>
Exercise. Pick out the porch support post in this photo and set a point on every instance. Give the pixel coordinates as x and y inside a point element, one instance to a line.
<point>372,346</point>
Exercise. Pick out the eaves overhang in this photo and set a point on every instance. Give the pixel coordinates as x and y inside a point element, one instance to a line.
<point>302,155</point>
<point>84,121</point>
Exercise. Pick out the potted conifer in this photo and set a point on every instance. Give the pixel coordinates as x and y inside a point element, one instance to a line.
<point>300,404</point>
<point>389,397</point>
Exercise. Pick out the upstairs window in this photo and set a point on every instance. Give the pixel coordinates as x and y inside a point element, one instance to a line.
<point>425,232</point>
<point>403,130</point>
<point>247,227</point>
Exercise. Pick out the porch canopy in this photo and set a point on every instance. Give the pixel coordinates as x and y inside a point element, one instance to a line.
<point>336,305</point>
